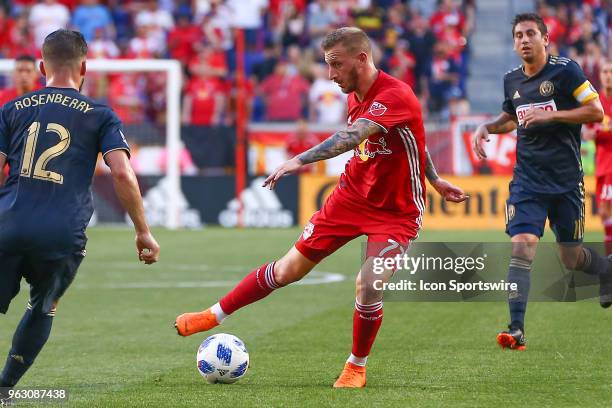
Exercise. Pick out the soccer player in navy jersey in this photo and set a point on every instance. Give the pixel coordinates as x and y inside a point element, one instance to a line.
<point>547,99</point>
<point>51,139</point>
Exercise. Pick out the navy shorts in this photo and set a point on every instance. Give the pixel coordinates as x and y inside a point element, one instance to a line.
<point>526,212</point>
<point>48,279</point>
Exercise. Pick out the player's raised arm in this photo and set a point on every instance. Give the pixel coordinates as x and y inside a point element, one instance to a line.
<point>126,186</point>
<point>338,143</point>
<point>503,123</point>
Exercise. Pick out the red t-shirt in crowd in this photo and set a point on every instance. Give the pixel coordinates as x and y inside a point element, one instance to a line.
<point>205,94</point>
<point>181,42</point>
<point>125,96</point>
<point>441,19</point>
<point>285,95</point>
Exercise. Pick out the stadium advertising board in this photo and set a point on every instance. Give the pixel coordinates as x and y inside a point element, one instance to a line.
<point>501,150</point>
<point>485,210</point>
<point>205,200</point>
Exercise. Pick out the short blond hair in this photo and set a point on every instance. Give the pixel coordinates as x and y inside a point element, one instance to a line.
<point>353,39</point>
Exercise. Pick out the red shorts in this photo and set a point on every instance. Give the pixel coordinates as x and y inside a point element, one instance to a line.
<point>604,188</point>
<point>341,220</point>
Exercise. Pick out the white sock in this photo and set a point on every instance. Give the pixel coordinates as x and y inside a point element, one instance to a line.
<point>219,313</point>
<point>360,361</point>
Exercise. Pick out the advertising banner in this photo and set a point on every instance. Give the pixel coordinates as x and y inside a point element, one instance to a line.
<point>485,210</point>
<point>205,200</point>
<point>500,150</point>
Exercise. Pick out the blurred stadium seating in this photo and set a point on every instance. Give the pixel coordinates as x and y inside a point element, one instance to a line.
<point>289,103</point>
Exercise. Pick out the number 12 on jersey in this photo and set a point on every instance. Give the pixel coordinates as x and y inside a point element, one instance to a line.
<point>38,167</point>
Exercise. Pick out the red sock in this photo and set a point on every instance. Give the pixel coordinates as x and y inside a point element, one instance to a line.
<point>366,322</point>
<point>255,286</point>
<point>608,231</point>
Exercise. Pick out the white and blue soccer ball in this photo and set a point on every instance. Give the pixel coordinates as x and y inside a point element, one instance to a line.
<point>222,358</point>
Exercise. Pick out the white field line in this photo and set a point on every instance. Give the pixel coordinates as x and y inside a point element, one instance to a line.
<point>313,278</point>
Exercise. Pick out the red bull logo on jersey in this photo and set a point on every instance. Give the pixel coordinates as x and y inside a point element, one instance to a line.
<point>308,230</point>
<point>521,110</point>
<point>377,109</point>
<point>368,149</point>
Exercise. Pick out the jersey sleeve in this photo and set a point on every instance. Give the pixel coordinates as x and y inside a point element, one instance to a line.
<point>389,108</point>
<point>577,83</point>
<point>507,105</point>
<point>4,133</point>
<point>111,135</point>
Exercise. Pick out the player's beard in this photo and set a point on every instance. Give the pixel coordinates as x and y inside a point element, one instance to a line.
<point>353,78</point>
<point>81,85</point>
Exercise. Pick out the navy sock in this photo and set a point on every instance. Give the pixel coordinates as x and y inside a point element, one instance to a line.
<point>594,264</point>
<point>519,273</point>
<point>30,337</point>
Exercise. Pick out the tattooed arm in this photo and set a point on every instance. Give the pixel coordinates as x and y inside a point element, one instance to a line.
<point>430,169</point>
<point>338,143</point>
<point>448,191</point>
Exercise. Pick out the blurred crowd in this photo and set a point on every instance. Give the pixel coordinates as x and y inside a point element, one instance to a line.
<point>580,30</point>
<point>423,42</point>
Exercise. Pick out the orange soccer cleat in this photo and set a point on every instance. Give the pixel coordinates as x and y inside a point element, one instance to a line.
<point>352,376</point>
<point>513,338</point>
<point>192,323</point>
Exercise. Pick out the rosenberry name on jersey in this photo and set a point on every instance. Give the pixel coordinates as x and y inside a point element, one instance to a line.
<point>58,98</point>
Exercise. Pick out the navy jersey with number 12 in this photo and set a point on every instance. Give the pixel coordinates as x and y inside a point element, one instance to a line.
<point>547,155</point>
<point>51,139</point>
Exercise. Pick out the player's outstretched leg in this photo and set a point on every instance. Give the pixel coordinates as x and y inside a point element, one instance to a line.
<point>29,338</point>
<point>255,286</point>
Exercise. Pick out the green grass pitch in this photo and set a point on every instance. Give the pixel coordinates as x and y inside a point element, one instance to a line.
<point>113,344</point>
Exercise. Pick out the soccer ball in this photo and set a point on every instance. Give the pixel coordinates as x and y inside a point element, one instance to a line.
<point>222,358</point>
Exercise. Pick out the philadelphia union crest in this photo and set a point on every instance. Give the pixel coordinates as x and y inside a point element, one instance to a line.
<point>547,88</point>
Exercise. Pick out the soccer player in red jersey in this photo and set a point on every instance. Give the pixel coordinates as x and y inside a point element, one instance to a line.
<point>381,194</point>
<point>26,79</point>
<point>602,132</point>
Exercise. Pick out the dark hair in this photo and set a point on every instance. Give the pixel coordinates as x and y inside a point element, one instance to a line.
<point>519,18</point>
<point>64,47</point>
<point>26,58</point>
<point>352,38</point>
